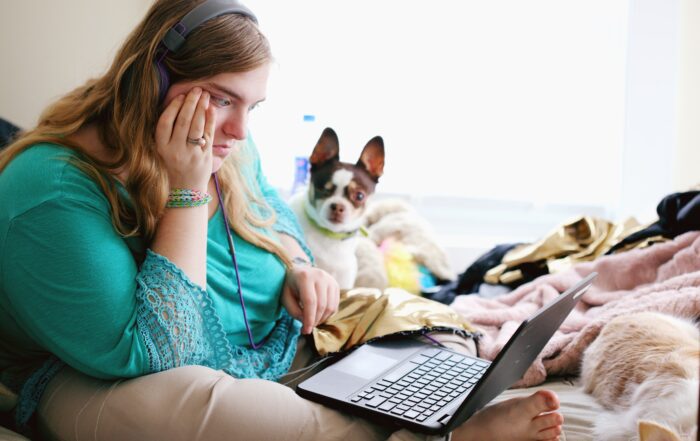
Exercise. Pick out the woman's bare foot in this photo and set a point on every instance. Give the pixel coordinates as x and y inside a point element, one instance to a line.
<point>518,419</point>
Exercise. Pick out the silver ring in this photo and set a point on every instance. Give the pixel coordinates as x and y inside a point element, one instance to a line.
<point>197,141</point>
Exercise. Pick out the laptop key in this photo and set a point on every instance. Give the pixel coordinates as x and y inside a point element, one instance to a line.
<point>386,407</point>
<point>430,352</point>
<point>411,414</point>
<point>421,418</point>
<point>374,402</point>
<point>420,359</point>
<point>442,356</point>
<point>399,373</point>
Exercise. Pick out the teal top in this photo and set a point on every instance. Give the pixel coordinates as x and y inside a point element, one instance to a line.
<point>73,291</point>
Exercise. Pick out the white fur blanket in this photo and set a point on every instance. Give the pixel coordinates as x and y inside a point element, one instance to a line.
<point>664,277</point>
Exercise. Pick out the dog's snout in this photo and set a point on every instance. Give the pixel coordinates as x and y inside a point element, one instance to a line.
<point>338,208</point>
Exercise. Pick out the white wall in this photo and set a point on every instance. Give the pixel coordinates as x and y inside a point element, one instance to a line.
<point>651,106</point>
<point>504,99</point>
<point>686,170</point>
<point>48,47</point>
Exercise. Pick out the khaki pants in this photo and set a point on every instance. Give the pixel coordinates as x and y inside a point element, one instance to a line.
<point>196,403</point>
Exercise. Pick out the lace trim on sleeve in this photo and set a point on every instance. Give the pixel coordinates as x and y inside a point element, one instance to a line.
<point>33,389</point>
<point>176,319</point>
<point>273,359</point>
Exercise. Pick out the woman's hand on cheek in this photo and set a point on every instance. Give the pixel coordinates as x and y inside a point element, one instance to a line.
<point>310,295</point>
<point>185,119</point>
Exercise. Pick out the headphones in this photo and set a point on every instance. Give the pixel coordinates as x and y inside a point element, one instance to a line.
<point>176,35</point>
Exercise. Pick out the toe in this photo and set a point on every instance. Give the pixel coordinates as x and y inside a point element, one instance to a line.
<point>541,401</point>
<point>550,399</point>
<point>547,420</point>
<point>548,434</point>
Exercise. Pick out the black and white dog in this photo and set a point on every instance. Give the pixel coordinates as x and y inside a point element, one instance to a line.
<point>331,211</point>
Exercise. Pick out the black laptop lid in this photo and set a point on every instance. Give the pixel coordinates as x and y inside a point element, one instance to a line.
<point>520,352</point>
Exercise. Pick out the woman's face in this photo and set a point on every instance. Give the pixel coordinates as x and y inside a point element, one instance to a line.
<point>233,96</point>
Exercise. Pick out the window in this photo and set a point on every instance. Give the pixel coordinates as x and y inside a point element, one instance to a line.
<point>504,100</point>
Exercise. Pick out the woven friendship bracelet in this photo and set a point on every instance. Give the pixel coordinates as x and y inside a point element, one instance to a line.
<point>181,197</point>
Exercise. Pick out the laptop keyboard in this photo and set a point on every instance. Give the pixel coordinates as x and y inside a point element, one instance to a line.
<point>422,386</point>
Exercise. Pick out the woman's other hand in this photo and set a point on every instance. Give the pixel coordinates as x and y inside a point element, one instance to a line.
<point>186,119</point>
<point>310,295</point>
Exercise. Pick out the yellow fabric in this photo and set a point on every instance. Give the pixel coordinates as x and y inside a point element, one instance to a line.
<point>581,239</point>
<point>401,268</point>
<point>368,313</point>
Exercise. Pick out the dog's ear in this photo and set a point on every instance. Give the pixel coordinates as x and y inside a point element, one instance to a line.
<point>327,148</point>
<point>372,157</point>
<point>651,431</point>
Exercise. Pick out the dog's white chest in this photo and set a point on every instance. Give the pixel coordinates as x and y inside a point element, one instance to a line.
<point>334,255</point>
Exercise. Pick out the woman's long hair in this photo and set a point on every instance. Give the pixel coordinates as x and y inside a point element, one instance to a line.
<point>124,106</point>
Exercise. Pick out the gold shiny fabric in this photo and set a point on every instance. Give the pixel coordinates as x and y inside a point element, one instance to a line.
<point>579,240</point>
<point>368,313</point>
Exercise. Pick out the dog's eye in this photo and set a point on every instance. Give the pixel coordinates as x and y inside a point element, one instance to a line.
<point>359,196</point>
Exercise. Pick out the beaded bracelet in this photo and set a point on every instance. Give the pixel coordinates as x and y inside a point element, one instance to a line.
<point>181,197</point>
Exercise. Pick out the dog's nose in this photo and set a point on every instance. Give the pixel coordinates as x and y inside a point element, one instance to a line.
<point>337,208</point>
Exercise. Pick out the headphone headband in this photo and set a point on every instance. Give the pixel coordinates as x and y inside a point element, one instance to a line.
<point>175,37</point>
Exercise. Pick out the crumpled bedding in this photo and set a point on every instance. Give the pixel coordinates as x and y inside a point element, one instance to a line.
<point>663,278</point>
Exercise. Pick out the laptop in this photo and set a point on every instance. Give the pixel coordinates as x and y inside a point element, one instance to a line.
<point>426,388</point>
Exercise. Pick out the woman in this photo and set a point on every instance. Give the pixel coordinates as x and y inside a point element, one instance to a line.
<point>152,281</point>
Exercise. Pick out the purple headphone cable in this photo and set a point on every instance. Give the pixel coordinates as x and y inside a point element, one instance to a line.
<point>235,266</point>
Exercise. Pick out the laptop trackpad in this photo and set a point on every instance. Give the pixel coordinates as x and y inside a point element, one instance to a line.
<point>368,366</point>
<point>358,368</point>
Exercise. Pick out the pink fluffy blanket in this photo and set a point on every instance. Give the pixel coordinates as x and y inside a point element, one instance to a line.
<point>664,278</point>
